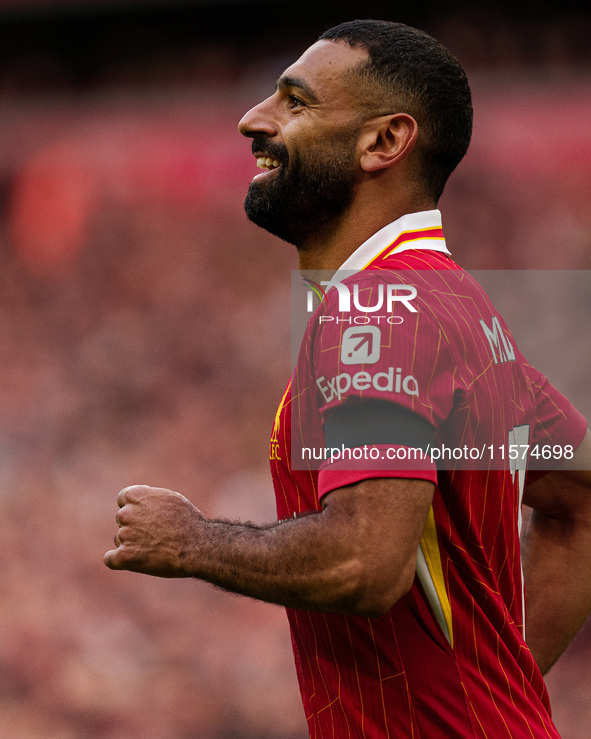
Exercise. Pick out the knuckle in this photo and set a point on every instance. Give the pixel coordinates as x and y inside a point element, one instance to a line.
<point>123,516</point>
<point>122,534</point>
<point>131,494</point>
<point>119,559</point>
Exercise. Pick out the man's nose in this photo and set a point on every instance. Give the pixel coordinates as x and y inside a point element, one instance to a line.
<point>258,121</point>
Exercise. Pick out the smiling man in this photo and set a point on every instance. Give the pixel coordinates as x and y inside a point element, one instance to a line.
<point>310,182</point>
<point>403,582</point>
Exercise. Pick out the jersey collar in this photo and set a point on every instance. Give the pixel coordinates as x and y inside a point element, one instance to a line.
<point>412,231</point>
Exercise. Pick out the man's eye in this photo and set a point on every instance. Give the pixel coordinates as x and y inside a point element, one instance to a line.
<point>295,102</point>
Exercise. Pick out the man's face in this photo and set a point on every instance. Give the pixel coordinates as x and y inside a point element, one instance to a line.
<point>305,140</point>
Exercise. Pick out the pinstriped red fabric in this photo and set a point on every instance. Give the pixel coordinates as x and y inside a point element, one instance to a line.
<point>450,659</point>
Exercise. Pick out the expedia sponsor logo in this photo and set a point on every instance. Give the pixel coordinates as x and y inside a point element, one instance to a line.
<point>390,381</point>
<point>361,345</point>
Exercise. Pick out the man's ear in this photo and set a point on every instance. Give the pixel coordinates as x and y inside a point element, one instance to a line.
<point>387,140</point>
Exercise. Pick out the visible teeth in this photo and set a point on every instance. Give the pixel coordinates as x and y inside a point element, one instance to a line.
<point>267,163</point>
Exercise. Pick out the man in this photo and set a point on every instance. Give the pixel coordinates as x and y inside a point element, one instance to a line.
<point>403,583</point>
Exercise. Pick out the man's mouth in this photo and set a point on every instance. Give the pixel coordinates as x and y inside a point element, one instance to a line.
<point>267,163</point>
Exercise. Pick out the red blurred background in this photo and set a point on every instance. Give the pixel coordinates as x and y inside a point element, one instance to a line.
<point>144,329</point>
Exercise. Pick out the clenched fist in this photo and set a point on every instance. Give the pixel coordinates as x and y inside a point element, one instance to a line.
<point>158,532</point>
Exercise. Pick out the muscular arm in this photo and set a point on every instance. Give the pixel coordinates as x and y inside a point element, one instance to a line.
<point>557,557</point>
<point>357,555</point>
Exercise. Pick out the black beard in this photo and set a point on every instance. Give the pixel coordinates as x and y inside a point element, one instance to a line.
<point>306,195</point>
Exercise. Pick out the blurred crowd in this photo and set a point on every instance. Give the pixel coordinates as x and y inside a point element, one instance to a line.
<point>145,338</point>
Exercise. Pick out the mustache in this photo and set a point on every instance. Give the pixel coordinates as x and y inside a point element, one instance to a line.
<point>275,151</point>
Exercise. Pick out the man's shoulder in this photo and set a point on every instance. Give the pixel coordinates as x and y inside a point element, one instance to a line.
<point>414,259</point>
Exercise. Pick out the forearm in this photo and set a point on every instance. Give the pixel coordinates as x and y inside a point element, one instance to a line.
<point>287,563</point>
<point>343,559</point>
<point>557,571</point>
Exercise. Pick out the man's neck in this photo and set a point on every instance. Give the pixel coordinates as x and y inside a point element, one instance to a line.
<point>329,250</point>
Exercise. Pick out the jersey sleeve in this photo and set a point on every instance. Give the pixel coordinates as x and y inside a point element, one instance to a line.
<point>558,424</point>
<point>401,358</point>
<point>383,384</point>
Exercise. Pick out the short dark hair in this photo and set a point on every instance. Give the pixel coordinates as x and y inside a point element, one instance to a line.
<point>411,71</point>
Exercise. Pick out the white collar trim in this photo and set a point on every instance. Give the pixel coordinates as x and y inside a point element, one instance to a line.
<point>380,241</point>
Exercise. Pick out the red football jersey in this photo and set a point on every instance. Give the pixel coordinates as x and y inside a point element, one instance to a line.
<point>450,658</point>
